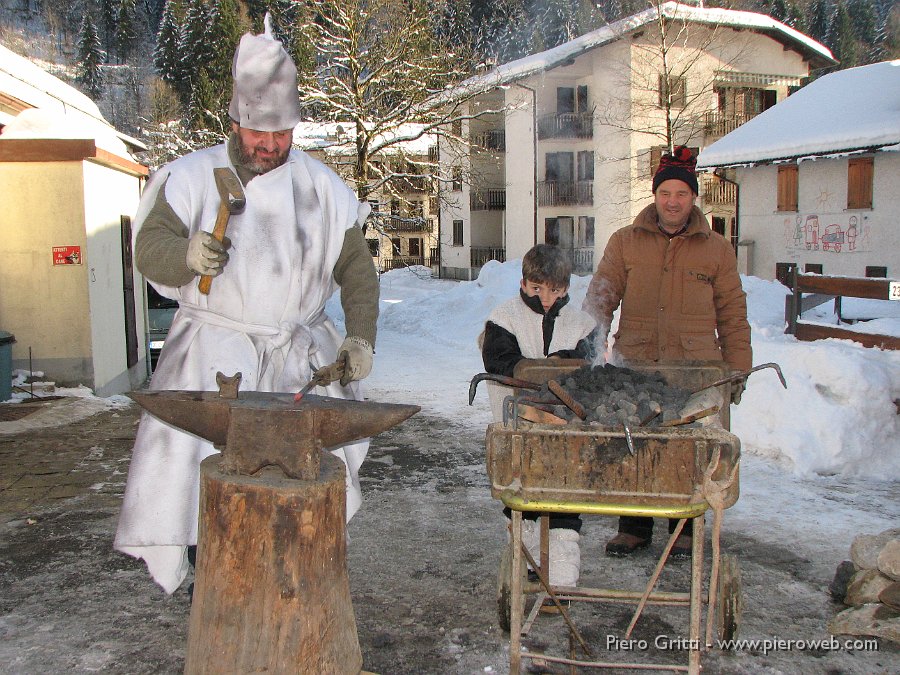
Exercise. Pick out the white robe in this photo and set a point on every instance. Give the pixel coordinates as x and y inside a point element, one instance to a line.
<point>264,318</point>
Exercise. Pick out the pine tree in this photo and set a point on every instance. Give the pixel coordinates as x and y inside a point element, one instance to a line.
<point>109,11</point>
<point>841,39</point>
<point>165,56</point>
<point>126,31</point>
<point>817,26</point>
<point>90,56</point>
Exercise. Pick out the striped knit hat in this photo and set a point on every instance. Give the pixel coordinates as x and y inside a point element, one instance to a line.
<point>680,165</point>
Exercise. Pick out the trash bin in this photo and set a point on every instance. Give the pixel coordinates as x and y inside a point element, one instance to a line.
<point>6,340</point>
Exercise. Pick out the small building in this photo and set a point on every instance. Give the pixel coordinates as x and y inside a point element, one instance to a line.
<point>818,177</point>
<point>68,289</point>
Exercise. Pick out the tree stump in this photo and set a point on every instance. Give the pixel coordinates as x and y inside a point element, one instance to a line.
<point>271,592</point>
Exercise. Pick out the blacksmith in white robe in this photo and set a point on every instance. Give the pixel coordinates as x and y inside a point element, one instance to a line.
<point>297,240</point>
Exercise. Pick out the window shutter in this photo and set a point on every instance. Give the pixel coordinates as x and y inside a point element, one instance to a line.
<point>860,172</point>
<point>788,187</point>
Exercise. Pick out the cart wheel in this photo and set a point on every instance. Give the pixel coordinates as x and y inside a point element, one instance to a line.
<point>730,601</point>
<point>503,589</point>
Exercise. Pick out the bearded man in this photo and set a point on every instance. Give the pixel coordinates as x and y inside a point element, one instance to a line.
<point>297,240</point>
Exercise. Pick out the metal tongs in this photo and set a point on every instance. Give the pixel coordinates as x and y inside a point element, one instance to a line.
<point>324,376</point>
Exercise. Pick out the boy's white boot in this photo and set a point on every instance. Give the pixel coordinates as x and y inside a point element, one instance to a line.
<point>531,537</point>
<point>565,557</point>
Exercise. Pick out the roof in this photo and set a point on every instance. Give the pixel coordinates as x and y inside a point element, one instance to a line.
<point>338,139</point>
<point>851,110</point>
<point>507,73</point>
<point>67,112</point>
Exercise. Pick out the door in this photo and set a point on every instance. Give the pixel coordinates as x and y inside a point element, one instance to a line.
<point>131,341</point>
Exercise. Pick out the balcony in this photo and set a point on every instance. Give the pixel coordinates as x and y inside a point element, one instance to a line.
<point>566,125</point>
<point>401,261</point>
<point>490,140</point>
<point>400,224</point>
<point>717,123</point>
<point>482,254</point>
<point>583,260</point>
<point>717,191</point>
<point>493,199</point>
<point>566,193</point>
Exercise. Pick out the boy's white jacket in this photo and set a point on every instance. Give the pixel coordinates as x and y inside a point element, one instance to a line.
<point>263,318</point>
<point>569,328</point>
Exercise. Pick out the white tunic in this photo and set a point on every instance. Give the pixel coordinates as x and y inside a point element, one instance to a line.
<point>569,328</point>
<point>264,318</point>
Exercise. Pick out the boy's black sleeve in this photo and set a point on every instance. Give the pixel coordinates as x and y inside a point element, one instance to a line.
<point>583,350</point>
<point>500,350</point>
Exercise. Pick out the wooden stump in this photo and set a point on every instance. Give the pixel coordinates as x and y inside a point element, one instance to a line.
<point>271,592</point>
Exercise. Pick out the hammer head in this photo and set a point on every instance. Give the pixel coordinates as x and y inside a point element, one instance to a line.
<point>230,190</point>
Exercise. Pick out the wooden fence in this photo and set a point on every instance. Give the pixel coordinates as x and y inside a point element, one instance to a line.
<point>811,290</point>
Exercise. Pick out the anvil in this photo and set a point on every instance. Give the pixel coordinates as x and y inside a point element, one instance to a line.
<point>258,429</point>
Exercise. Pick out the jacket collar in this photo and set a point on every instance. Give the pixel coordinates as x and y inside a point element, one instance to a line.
<point>647,219</point>
<point>533,303</point>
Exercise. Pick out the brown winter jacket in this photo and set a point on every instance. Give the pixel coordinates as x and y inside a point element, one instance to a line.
<point>681,298</point>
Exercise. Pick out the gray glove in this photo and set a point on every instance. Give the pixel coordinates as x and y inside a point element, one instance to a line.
<point>358,362</point>
<point>206,255</point>
<point>737,389</point>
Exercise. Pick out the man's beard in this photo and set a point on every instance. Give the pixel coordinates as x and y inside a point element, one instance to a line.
<point>259,165</point>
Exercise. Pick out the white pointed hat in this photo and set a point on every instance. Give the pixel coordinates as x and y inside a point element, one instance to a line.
<point>264,97</point>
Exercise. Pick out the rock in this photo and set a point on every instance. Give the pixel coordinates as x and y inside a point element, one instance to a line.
<point>865,548</point>
<point>842,576</point>
<point>889,560</point>
<point>876,620</point>
<point>890,596</point>
<point>864,587</point>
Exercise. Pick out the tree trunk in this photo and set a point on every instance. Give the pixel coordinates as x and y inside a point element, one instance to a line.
<point>271,592</point>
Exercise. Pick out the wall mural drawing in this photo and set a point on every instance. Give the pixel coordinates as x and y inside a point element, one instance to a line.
<point>842,233</point>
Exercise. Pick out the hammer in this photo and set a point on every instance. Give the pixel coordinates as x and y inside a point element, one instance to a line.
<point>231,193</point>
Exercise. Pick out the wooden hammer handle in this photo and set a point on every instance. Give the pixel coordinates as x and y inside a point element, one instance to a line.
<point>219,233</point>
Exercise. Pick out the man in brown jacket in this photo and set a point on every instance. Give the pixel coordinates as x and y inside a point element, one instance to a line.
<point>681,297</point>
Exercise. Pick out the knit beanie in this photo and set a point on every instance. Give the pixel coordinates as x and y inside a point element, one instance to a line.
<point>680,165</point>
<point>264,97</point>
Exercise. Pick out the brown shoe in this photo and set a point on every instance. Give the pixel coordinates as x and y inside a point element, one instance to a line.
<point>683,548</point>
<point>624,544</point>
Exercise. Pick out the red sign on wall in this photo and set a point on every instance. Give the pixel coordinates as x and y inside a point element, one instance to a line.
<point>66,255</point>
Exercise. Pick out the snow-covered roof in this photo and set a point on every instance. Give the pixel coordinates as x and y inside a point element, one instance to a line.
<point>713,16</point>
<point>846,111</point>
<point>338,138</point>
<point>64,111</point>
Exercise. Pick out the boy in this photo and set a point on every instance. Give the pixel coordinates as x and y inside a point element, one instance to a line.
<point>537,324</point>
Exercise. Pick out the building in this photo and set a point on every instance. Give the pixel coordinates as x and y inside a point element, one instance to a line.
<point>563,144</point>
<point>403,228</point>
<point>818,177</point>
<point>68,289</point>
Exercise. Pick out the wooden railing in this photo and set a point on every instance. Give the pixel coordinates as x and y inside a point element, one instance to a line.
<point>819,289</point>
<point>566,125</point>
<point>565,193</point>
<point>481,254</point>
<point>492,199</point>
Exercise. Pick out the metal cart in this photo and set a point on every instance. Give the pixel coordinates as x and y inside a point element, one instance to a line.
<point>578,468</point>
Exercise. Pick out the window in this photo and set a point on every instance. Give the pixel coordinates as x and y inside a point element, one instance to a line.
<point>395,207</point>
<point>812,268</point>
<point>395,246</point>
<point>551,231</point>
<point>718,225</point>
<point>433,204</point>
<point>415,247</point>
<point>788,187</point>
<point>456,127</point>
<point>559,167</point>
<point>586,231</point>
<point>784,272</point>
<point>456,184</point>
<point>859,183</point>
<point>876,272</point>
<point>586,165</point>
<point>559,232</point>
<point>416,209</point>
<point>672,92</point>
<point>373,247</point>
<point>457,233</point>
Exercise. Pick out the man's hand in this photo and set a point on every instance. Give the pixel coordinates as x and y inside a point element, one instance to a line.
<point>358,363</point>
<point>737,390</point>
<point>206,255</point>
